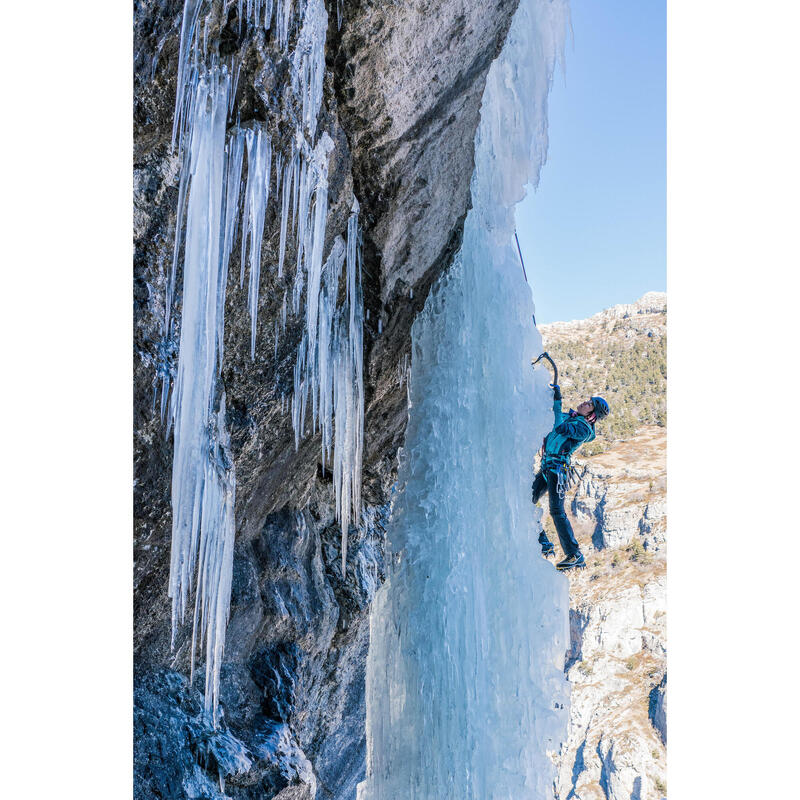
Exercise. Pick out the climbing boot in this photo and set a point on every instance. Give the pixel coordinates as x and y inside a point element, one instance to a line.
<point>575,561</point>
<point>547,546</point>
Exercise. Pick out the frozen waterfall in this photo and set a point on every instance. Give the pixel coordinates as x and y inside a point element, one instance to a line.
<point>465,686</point>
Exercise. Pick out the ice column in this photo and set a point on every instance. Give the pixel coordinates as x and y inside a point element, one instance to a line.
<point>466,693</point>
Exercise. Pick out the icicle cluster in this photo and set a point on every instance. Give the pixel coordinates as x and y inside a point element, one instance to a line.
<point>213,197</point>
<point>330,369</point>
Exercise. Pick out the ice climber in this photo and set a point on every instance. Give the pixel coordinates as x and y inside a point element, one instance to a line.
<point>570,431</point>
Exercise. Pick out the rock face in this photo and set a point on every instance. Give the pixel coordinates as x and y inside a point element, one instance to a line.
<point>616,662</point>
<point>622,492</point>
<point>616,745</point>
<point>401,102</point>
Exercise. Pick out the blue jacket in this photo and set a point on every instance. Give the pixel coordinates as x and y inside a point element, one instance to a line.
<point>568,434</point>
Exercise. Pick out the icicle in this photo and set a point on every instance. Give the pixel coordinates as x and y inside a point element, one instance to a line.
<point>287,186</point>
<point>297,291</point>
<point>326,365</point>
<point>282,16</point>
<point>313,265</point>
<point>308,69</point>
<point>278,171</point>
<point>235,156</point>
<point>203,481</point>
<point>329,367</point>
<point>185,154</point>
<point>304,194</point>
<point>349,393</point>
<point>298,394</point>
<point>235,85</point>
<point>191,10</point>
<point>245,221</point>
<point>259,162</point>
<point>296,180</point>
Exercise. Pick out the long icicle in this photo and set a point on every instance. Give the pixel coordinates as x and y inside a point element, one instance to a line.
<point>203,479</point>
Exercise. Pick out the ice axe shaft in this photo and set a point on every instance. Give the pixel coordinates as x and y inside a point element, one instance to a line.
<point>552,364</point>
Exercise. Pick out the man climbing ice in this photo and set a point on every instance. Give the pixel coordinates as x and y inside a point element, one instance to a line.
<point>570,431</point>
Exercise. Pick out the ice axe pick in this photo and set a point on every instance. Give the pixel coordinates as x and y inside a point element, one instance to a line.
<point>552,364</point>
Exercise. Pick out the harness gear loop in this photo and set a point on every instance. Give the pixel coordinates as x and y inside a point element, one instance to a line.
<point>561,486</point>
<point>566,475</point>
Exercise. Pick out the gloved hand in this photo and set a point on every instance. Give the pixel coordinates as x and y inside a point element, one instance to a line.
<point>556,391</point>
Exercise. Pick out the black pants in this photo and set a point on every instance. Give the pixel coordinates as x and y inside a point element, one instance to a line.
<point>548,479</point>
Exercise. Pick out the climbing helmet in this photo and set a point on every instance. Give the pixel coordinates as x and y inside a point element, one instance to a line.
<point>601,408</point>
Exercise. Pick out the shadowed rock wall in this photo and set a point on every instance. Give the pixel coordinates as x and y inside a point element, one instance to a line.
<point>401,103</point>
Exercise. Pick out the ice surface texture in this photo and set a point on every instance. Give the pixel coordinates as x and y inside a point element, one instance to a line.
<point>212,199</point>
<point>466,692</point>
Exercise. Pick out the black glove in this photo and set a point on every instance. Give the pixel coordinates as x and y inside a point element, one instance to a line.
<point>556,391</point>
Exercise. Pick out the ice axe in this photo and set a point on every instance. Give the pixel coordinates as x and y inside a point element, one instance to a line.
<point>552,364</point>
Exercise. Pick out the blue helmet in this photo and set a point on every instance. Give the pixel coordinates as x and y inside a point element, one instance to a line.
<point>601,408</point>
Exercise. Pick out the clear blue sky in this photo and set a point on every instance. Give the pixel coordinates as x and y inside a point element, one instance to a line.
<point>594,234</point>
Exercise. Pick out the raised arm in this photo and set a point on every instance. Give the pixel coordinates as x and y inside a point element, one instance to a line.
<point>559,415</point>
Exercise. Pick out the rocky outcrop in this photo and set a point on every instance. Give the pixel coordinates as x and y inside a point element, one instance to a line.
<point>616,738</point>
<point>292,693</point>
<point>658,708</point>
<point>622,492</point>
<point>401,101</point>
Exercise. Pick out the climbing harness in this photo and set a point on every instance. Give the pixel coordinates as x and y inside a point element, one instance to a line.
<point>566,475</point>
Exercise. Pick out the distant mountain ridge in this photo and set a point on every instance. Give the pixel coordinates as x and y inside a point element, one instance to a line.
<point>648,303</point>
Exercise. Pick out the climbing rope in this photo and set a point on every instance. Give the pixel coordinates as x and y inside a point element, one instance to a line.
<point>519,250</point>
<point>522,262</point>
